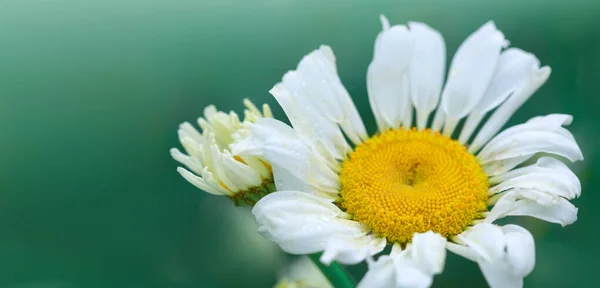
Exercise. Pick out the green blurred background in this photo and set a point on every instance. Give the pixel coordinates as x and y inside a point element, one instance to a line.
<point>91,94</point>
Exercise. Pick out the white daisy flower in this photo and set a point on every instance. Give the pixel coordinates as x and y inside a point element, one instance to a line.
<point>212,167</point>
<point>411,186</point>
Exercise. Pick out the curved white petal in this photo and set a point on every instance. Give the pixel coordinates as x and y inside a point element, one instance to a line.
<point>387,76</point>
<point>512,69</point>
<point>548,175</point>
<point>540,134</point>
<point>533,82</point>
<point>426,71</point>
<point>187,130</point>
<point>414,267</point>
<point>505,254</point>
<point>528,202</point>
<point>321,85</point>
<point>302,224</point>
<point>282,147</point>
<point>307,119</point>
<point>470,73</point>
<point>200,182</point>
<point>193,163</point>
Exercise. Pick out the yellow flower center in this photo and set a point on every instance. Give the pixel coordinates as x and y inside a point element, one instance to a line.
<point>406,181</point>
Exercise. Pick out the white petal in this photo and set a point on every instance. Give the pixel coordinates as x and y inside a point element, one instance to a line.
<point>302,224</point>
<point>352,250</point>
<point>462,250</point>
<point>219,169</point>
<point>421,260</point>
<point>413,267</point>
<point>500,276</point>
<point>411,277</point>
<point>286,181</point>
<point>381,274</point>
<point>518,203</point>
<point>200,183</point>
<point>548,174</point>
<point>471,71</point>
<point>428,250</point>
<point>192,147</point>
<point>322,86</point>
<point>247,176</point>
<point>212,181</point>
<point>512,69</point>
<point>504,254</point>
<point>193,163</point>
<point>281,146</point>
<point>540,134</point>
<point>427,70</point>
<point>535,80</point>
<point>259,166</point>
<point>186,129</point>
<point>307,119</point>
<point>485,240</point>
<point>387,77</point>
<point>518,262</point>
<point>553,183</point>
<point>520,249</point>
<point>542,164</point>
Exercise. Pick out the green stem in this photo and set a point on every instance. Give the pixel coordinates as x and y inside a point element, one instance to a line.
<point>335,273</point>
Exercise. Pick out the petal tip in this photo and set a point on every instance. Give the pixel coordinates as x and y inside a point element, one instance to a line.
<point>385,23</point>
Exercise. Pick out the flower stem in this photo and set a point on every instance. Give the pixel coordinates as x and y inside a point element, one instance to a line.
<point>335,273</point>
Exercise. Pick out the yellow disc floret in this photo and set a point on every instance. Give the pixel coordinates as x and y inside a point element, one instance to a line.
<point>406,181</point>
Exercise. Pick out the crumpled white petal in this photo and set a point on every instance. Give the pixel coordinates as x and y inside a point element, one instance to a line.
<point>303,224</point>
<point>505,254</point>
<point>519,143</point>
<point>512,69</point>
<point>532,83</point>
<point>387,77</point>
<point>426,71</point>
<point>281,146</point>
<point>470,73</point>
<point>414,267</point>
<point>540,190</point>
<point>526,202</point>
<point>320,84</point>
<point>548,175</point>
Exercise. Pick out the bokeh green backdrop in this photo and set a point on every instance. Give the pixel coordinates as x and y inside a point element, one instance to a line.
<point>91,93</point>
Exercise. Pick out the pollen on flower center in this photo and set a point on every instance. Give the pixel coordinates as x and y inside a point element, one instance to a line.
<point>406,181</point>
